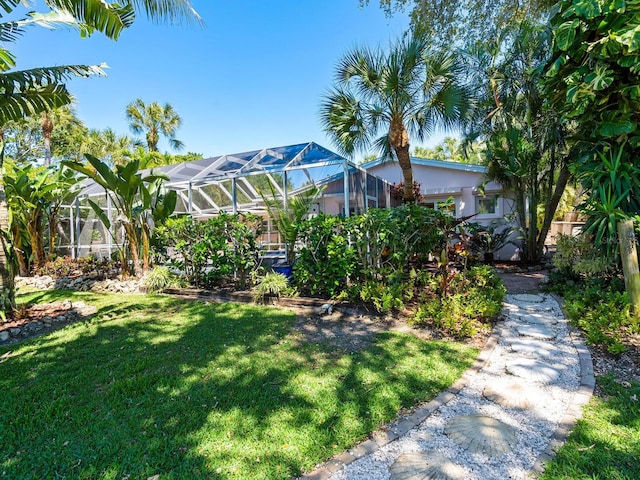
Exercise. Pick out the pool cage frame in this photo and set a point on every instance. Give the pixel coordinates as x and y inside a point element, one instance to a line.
<point>234,184</point>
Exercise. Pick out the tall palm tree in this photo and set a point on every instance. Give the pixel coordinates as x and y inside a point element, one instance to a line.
<point>154,120</point>
<point>31,92</point>
<point>48,121</point>
<point>407,92</point>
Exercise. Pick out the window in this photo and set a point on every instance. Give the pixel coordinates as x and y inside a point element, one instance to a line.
<point>487,205</point>
<point>445,206</point>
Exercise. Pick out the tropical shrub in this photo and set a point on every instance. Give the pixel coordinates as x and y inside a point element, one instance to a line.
<point>487,240</point>
<point>603,314</point>
<point>138,197</point>
<point>326,260</point>
<point>577,256</point>
<point>385,297</point>
<point>70,267</point>
<point>472,298</point>
<point>392,238</point>
<point>211,251</point>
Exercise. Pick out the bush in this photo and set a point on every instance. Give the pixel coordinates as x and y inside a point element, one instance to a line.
<point>577,257</point>
<point>474,298</point>
<point>69,267</point>
<point>391,238</point>
<point>271,285</point>
<point>384,297</point>
<point>604,314</point>
<point>159,278</point>
<point>210,252</point>
<point>326,260</point>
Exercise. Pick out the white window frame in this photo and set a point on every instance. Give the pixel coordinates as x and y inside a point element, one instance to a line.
<point>498,210</point>
<point>436,201</point>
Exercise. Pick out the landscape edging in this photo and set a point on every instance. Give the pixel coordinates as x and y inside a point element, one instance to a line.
<point>580,398</point>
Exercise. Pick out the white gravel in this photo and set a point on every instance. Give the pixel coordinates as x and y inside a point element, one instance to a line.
<point>534,426</point>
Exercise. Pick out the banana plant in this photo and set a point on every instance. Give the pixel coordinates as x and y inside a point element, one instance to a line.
<point>35,196</point>
<point>135,195</point>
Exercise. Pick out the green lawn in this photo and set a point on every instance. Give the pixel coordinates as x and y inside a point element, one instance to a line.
<point>605,444</point>
<point>154,385</point>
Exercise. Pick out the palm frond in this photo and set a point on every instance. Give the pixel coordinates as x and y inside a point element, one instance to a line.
<point>31,92</point>
<point>55,19</point>
<point>23,79</point>
<point>11,31</point>
<point>173,11</point>
<point>17,104</point>
<point>7,60</point>
<point>9,5</point>
<point>345,121</point>
<point>108,18</point>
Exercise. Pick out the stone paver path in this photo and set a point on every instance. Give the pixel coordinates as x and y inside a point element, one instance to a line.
<point>502,420</point>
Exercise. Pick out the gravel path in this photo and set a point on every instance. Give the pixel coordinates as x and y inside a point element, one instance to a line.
<point>525,395</point>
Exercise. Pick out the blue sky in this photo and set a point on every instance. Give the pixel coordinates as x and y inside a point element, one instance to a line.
<point>252,77</point>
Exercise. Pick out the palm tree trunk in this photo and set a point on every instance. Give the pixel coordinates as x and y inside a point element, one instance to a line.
<point>46,123</point>
<point>399,140</point>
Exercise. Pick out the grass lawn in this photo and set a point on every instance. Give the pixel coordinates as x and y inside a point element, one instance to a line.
<point>605,444</point>
<point>158,386</point>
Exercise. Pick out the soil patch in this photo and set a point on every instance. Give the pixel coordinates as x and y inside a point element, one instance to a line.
<point>34,320</point>
<point>352,328</point>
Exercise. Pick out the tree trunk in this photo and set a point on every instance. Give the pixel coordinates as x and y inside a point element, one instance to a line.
<point>399,140</point>
<point>52,224</point>
<point>146,247</point>
<point>629,255</point>
<point>552,206</point>
<point>134,249</point>
<point>34,229</point>
<point>7,274</point>
<point>46,123</point>
<point>18,250</point>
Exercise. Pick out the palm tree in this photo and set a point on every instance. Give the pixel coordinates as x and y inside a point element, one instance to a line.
<point>401,94</point>
<point>154,120</point>
<point>34,91</point>
<point>48,121</point>
<point>108,146</point>
<point>526,151</point>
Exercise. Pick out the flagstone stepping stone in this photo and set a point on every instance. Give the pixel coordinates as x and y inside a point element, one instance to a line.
<point>538,308</point>
<point>481,434</point>
<point>538,318</point>
<point>532,347</point>
<point>513,394</point>
<point>528,298</point>
<point>533,370</point>
<point>425,466</point>
<point>541,332</point>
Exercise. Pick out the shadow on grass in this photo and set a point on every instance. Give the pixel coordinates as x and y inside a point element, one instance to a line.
<point>154,385</point>
<point>605,444</point>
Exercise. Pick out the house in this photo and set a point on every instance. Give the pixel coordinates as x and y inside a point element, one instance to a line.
<point>442,180</point>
